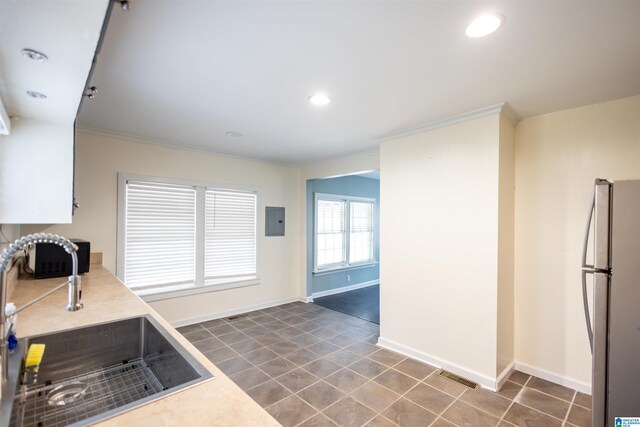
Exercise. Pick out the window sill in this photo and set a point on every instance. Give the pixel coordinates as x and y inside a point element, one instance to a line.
<point>343,268</point>
<point>213,286</point>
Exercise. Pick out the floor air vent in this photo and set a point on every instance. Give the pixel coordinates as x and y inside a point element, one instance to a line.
<point>453,377</point>
<point>238,316</point>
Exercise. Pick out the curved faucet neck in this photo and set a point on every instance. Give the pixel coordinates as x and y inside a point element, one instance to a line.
<point>22,243</point>
<point>32,239</point>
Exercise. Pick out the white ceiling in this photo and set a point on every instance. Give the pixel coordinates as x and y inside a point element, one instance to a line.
<point>186,72</point>
<point>67,32</point>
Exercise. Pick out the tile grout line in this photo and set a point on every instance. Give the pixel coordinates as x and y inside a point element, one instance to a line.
<point>376,413</point>
<point>570,402</point>
<point>364,340</point>
<point>566,417</point>
<point>543,412</point>
<point>368,380</point>
<point>507,411</point>
<point>304,420</point>
<point>293,394</point>
<point>513,401</point>
<point>455,399</point>
<point>483,410</point>
<point>257,385</point>
<point>551,395</point>
<point>297,366</point>
<point>277,382</point>
<point>251,363</point>
<point>365,405</point>
<point>439,415</point>
<point>582,406</point>
<point>537,410</point>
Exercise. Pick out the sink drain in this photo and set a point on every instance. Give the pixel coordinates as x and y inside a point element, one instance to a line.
<point>66,394</point>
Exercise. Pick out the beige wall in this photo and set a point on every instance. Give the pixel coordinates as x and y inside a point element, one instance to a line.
<point>100,158</point>
<point>439,246</point>
<point>558,156</point>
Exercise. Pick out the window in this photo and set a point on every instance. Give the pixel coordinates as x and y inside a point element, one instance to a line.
<point>160,235</point>
<point>331,249</point>
<point>344,232</point>
<point>230,235</point>
<point>360,232</point>
<point>187,237</point>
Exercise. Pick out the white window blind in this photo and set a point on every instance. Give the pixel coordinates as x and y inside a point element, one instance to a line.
<point>181,237</point>
<point>344,234</point>
<point>361,232</point>
<point>230,234</point>
<point>160,231</point>
<point>331,224</point>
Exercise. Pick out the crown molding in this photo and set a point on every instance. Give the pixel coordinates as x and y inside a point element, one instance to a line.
<point>330,160</point>
<point>510,114</point>
<point>176,146</point>
<point>501,108</point>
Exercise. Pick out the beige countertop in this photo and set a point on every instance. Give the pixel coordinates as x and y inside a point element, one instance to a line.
<point>218,402</point>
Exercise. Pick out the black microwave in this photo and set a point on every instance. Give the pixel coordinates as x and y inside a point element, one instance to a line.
<point>51,260</point>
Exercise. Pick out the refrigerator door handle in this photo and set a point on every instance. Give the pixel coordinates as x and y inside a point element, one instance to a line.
<point>585,270</point>
<point>601,283</point>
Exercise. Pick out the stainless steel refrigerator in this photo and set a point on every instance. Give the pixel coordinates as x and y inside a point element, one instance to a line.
<point>614,331</point>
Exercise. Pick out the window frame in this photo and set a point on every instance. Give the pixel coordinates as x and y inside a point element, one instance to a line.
<point>330,268</point>
<point>199,285</point>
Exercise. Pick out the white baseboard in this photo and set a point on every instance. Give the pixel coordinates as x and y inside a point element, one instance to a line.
<point>344,289</point>
<point>307,299</point>
<point>554,378</point>
<point>232,312</point>
<point>505,374</point>
<point>482,379</point>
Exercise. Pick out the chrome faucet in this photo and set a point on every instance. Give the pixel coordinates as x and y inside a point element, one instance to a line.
<point>7,315</point>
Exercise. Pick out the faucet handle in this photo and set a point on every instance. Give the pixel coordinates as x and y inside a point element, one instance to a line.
<point>75,294</point>
<point>9,309</point>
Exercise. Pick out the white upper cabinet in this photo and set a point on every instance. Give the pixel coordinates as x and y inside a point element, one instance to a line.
<point>36,173</point>
<point>47,50</point>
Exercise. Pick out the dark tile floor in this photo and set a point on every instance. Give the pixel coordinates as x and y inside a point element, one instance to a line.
<point>363,303</point>
<point>311,366</point>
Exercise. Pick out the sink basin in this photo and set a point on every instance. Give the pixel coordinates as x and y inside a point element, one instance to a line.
<point>96,372</point>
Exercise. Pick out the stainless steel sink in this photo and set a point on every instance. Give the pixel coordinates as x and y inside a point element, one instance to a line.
<point>92,373</point>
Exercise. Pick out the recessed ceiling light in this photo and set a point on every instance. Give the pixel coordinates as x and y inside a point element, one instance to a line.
<point>485,25</point>
<point>36,95</point>
<point>34,54</point>
<point>233,133</point>
<point>319,99</point>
